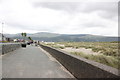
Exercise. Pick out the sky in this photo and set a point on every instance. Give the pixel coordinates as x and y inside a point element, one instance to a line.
<point>60,16</point>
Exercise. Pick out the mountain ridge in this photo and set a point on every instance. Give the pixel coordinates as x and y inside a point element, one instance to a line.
<point>55,37</point>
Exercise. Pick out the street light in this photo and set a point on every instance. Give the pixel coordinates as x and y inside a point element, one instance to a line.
<point>2,31</point>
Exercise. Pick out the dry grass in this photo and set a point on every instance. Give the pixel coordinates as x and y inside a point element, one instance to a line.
<point>107,51</point>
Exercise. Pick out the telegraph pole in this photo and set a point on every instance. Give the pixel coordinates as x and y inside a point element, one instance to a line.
<point>2,32</point>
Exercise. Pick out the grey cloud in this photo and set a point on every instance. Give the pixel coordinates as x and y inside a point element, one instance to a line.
<point>1,1</point>
<point>119,19</point>
<point>66,6</point>
<point>110,8</point>
<point>32,27</point>
<point>106,6</point>
<point>94,25</point>
<point>81,6</point>
<point>79,17</point>
<point>119,8</point>
<point>17,25</point>
<point>108,15</point>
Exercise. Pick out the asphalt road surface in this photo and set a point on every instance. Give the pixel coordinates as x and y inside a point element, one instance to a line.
<point>32,62</point>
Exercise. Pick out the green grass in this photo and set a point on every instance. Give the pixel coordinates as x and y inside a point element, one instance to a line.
<point>3,41</point>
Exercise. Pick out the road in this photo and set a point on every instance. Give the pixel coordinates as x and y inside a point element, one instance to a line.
<point>32,62</point>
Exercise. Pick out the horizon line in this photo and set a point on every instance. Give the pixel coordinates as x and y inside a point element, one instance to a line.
<point>66,34</point>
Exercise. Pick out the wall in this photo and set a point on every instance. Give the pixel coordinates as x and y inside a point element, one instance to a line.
<point>8,47</point>
<point>81,67</point>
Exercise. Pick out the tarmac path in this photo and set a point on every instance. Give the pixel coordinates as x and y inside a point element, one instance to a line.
<point>32,62</point>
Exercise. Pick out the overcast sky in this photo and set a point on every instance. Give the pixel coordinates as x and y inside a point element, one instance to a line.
<point>73,17</point>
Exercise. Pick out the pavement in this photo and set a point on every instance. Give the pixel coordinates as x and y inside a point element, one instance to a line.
<point>32,62</point>
<point>0,61</point>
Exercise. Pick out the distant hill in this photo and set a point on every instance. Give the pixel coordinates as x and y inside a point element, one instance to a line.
<point>54,37</point>
<point>40,34</point>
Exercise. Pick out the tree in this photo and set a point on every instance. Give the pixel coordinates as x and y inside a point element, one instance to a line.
<point>30,38</point>
<point>24,35</point>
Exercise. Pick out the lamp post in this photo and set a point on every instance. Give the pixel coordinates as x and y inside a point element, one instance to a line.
<point>2,32</point>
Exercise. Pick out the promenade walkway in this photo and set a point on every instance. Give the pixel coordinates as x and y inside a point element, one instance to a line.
<point>32,62</point>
